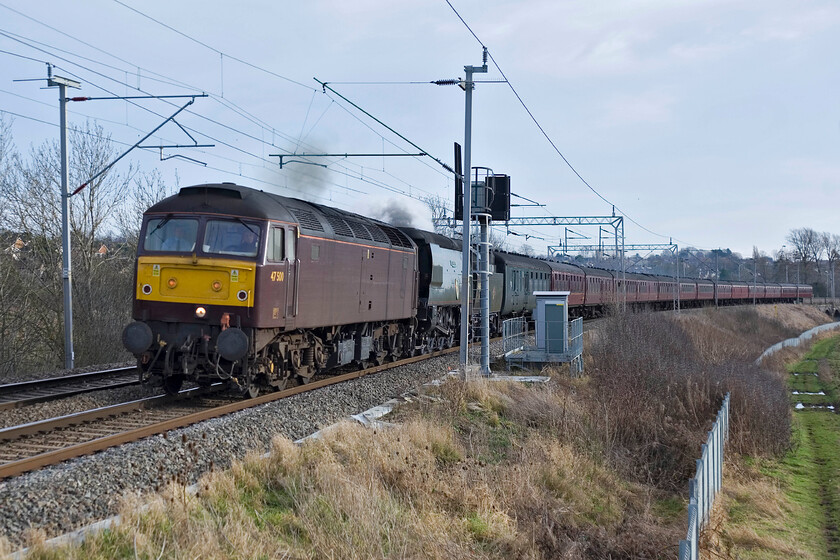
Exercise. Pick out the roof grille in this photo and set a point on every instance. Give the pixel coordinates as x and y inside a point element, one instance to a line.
<point>359,229</point>
<point>306,219</point>
<point>339,226</point>
<point>396,237</point>
<point>205,190</point>
<point>377,233</point>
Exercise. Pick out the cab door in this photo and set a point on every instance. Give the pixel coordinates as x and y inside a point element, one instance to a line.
<point>281,275</point>
<point>292,276</point>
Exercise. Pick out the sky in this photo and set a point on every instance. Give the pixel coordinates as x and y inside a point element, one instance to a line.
<point>707,123</point>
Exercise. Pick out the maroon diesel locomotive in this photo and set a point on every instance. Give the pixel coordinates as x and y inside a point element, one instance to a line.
<point>239,285</point>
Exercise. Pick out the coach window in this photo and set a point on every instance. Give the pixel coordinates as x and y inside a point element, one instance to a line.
<point>275,245</point>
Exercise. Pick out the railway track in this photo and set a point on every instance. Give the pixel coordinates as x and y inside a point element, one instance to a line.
<point>32,446</point>
<point>13,395</point>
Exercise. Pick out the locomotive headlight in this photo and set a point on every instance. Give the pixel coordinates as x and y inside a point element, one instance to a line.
<point>172,282</point>
<point>242,295</point>
<point>216,285</point>
<point>200,312</point>
<point>147,289</point>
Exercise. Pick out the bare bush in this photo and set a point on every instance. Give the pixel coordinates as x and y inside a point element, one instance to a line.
<point>658,395</point>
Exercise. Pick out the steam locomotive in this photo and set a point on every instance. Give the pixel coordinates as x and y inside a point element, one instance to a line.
<point>258,290</point>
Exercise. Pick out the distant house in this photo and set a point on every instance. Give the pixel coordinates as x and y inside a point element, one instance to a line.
<point>103,251</point>
<point>15,248</point>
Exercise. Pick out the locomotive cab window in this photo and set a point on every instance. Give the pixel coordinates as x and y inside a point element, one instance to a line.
<point>276,247</point>
<point>226,237</point>
<point>290,244</point>
<point>171,234</point>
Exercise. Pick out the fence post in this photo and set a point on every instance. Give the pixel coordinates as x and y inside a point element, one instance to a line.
<point>706,477</point>
<point>694,530</point>
<point>719,435</point>
<point>698,465</point>
<point>707,482</point>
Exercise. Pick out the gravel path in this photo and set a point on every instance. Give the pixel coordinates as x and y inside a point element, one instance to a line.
<point>64,497</point>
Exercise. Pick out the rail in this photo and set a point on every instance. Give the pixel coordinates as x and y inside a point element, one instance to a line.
<point>13,395</point>
<point>100,441</point>
<point>704,487</point>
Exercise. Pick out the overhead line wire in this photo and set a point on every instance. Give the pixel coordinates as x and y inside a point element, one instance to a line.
<point>24,57</point>
<point>230,105</point>
<point>544,133</point>
<point>343,169</point>
<point>205,45</point>
<point>325,86</point>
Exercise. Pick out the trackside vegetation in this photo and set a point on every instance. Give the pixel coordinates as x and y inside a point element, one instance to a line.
<point>595,467</point>
<point>790,505</point>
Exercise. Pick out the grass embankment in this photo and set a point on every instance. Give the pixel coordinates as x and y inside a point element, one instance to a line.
<point>588,468</point>
<point>790,507</point>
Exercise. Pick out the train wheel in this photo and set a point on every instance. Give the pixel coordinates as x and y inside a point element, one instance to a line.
<point>251,391</point>
<point>172,384</point>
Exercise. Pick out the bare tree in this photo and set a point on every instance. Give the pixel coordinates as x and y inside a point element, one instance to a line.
<point>527,250</point>
<point>439,209</point>
<point>831,248</point>
<point>148,189</point>
<point>14,292</point>
<point>806,249</point>
<point>102,265</point>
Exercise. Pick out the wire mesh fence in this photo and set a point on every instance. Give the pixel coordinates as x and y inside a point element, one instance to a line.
<point>704,487</point>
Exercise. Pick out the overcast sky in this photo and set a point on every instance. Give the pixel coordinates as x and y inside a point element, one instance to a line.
<point>716,123</point>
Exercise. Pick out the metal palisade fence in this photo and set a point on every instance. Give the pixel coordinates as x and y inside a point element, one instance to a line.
<point>704,487</point>
<point>514,333</point>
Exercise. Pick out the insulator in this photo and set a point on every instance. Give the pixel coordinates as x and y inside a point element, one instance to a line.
<point>447,82</point>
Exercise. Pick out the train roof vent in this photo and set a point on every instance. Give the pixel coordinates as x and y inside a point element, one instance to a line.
<point>396,237</point>
<point>202,190</point>
<point>359,229</point>
<point>339,226</point>
<point>306,219</point>
<point>377,233</point>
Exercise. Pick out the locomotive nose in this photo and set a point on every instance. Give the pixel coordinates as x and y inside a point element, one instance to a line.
<point>137,337</point>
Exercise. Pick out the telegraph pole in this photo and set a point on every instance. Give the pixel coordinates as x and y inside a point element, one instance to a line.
<point>66,265</point>
<point>465,262</point>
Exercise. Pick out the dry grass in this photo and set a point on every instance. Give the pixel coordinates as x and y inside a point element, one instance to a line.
<point>753,517</point>
<point>798,318</point>
<point>486,472</point>
<point>584,468</point>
